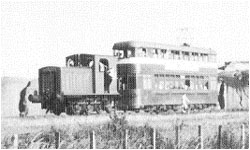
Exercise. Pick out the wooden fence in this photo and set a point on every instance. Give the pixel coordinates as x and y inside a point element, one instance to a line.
<point>153,138</point>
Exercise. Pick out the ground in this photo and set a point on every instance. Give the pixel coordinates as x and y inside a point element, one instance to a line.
<point>12,125</point>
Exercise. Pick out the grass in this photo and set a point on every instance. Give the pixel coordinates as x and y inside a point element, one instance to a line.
<point>110,133</point>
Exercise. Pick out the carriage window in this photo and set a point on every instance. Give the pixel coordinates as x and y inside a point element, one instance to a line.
<point>212,58</point>
<point>194,56</point>
<point>199,57</point>
<point>147,82</point>
<point>176,54</point>
<point>167,55</point>
<point>167,86</point>
<point>155,53</point>
<point>144,51</point>
<point>206,85</point>
<point>161,81</point>
<point>171,55</point>
<point>161,84</point>
<point>204,57</point>
<point>163,53</point>
<point>185,55</point>
<point>176,84</point>
<point>213,83</point>
<point>187,82</point>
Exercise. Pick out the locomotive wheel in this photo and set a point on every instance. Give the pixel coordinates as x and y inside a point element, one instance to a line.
<point>69,109</point>
<point>97,109</point>
<point>57,109</point>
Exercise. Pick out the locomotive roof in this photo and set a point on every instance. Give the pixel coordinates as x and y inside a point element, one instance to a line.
<point>137,44</point>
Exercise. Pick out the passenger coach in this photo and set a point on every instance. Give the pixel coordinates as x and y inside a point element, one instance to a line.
<point>155,76</point>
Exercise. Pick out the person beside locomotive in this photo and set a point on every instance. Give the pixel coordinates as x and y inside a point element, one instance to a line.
<point>23,107</point>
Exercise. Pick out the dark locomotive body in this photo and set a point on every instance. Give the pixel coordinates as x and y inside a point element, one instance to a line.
<point>82,85</point>
<point>140,75</point>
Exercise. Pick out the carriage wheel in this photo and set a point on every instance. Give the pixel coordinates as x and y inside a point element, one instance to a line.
<point>137,110</point>
<point>84,110</point>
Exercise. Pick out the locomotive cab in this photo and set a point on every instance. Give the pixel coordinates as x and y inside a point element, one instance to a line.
<point>103,70</point>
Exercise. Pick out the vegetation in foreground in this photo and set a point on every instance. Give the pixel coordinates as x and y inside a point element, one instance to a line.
<point>111,135</point>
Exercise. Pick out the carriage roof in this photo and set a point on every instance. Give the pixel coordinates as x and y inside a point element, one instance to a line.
<point>131,45</point>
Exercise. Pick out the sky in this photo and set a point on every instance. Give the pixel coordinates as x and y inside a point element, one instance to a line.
<point>35,34</point>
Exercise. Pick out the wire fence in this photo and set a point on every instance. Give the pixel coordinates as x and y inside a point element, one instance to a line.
<point>114,137</point>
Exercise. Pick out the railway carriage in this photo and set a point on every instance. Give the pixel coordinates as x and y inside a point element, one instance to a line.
<point>156,76</point>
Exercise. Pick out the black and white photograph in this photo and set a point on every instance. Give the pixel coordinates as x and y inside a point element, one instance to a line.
<point>125,74</point>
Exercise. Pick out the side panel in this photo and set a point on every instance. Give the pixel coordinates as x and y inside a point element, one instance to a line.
<point>76,81</point>
<point>157,91</point>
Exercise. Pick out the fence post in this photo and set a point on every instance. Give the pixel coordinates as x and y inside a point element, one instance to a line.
<point>125,142</point>
<point>15,141</point>
<point>200,137</point>
<point>243,136</point>
<point>153,138</point>
<point>177,136</point>
<point>92,139</point>
<point>219,137</point>
<point>57,139</point>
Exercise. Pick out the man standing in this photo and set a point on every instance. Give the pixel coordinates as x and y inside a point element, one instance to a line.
<point>221,96</point>
<point>185,102</point>
<point>23,108</point>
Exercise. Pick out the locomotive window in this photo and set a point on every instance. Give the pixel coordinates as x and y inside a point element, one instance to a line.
<point>120,53</point>
<point>90,63</point>
<point>129,53</point>
<point>116,52</point>
<point>103,65</point>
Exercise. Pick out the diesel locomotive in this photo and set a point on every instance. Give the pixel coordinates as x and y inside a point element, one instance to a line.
<point>139,76</point>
